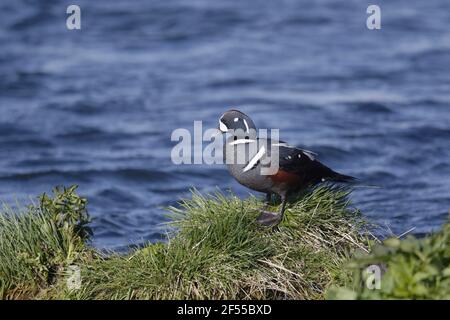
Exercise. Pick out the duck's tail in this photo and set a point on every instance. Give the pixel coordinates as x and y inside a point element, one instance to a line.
<point>337,177</point>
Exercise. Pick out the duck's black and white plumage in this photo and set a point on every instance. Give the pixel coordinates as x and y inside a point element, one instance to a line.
<point>247,156</point>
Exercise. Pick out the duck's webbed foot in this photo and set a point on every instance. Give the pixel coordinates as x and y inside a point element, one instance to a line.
<point>268,218</point>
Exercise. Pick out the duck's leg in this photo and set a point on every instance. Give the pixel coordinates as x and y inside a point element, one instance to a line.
<point>268,218</point>
<point>282,208</point>
<point>267,201</point>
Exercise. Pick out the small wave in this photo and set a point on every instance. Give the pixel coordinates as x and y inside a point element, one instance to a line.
<point>331,152</point>
<point>380,176</point>
<point>26,143</point>
<point>80,108</point>
<point>117,195</point>
<point>231,83</point>
<point>370,107</point>
<point>14,130</point>
<point>441,167</point>
<point>426,133</point>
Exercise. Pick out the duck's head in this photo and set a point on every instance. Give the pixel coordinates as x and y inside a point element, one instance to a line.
<point>237,121</point>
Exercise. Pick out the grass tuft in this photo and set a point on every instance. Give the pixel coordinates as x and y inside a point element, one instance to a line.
<point>409,269</point>
<point>219,252</point>
<point>39,243</point>
<point>215,251</point>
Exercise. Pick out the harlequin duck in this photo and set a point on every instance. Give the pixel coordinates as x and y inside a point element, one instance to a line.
<point>249,159</point>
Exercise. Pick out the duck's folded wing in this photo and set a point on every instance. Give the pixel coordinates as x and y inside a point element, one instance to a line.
<point>304,164</point>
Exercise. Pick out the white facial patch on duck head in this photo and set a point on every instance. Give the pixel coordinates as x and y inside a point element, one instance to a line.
<point>222,126</point>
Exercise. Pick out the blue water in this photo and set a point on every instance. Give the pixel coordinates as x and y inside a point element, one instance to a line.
<point>96,107</point>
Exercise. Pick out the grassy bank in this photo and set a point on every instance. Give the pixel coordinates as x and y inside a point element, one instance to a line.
<point>410,269</point>
<point>215,251</point>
